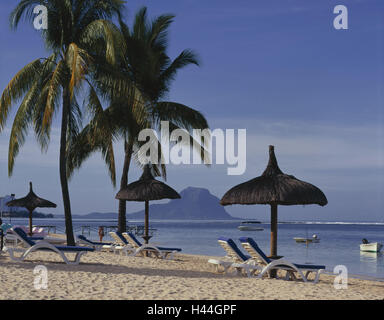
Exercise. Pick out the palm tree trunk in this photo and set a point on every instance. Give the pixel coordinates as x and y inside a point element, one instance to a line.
<point>63,168</point>
<point>122,225</point>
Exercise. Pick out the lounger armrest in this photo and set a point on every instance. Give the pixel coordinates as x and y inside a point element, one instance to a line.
<point>44,242</point>
<point>282,261</point>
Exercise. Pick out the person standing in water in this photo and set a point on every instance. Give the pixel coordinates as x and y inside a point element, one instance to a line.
<point>101,233</point>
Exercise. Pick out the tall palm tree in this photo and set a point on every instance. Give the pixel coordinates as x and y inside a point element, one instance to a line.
<point>141,80</point>
<point>78,32</point>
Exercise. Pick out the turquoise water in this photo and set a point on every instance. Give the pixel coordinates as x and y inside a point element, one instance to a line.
<point>339,242</point>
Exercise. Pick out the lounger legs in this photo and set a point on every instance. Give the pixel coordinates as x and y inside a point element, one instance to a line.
<point>317,277</point>
<point>167,255</point>
<point>220,266</point>
<point>277,265</point>
<point>76,260</point>
<point>291,274</point>
<point>224,270</point>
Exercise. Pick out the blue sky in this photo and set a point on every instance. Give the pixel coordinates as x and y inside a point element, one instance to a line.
<point>276,68</point>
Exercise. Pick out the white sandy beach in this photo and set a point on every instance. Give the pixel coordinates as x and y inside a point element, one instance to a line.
<point>112,277</point>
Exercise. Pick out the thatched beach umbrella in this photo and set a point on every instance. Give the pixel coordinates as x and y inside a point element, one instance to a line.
<point>145,189</point>
<point>31,201</point>
<point>275,188</point>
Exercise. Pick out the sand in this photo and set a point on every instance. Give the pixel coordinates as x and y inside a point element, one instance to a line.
<point>102,275</point>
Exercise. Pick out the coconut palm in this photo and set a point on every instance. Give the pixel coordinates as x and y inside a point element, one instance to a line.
<point>79,31</point>
<point>137,90</point>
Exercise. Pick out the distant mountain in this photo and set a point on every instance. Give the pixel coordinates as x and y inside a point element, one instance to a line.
<point>195,204</point>
<point>25,214</point>
<point>94,215</point>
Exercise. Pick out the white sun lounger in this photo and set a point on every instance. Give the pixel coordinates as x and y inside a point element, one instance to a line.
<point>121,244</point>
<point>280,264</point>
<point>235,259</point>
<point>98,246</point>
<point>42,245</point>
<point>159,252</point>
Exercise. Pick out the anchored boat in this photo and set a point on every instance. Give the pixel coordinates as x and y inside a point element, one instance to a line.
<point>314,239</point>
<point>366,246</point>
<point>249,226</point>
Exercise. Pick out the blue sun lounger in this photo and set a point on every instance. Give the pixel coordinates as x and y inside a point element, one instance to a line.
<point>121,244</point>
<point>44,246</point>
<point>159,252</point>
<point>98,246</point>
<point>280,264</point>
<point>21,231</point>
<point>235,258</point>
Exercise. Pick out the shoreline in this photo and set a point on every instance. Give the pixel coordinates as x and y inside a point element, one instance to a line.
<point>234,219</point>
<point>365,271</point>
<point>102,275</point>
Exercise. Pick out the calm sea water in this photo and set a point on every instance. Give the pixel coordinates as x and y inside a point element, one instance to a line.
<point>339,244</point>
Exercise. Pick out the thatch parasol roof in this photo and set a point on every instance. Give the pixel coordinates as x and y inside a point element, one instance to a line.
<point>274,187</point>
<point>147,188</point>
<point>31,201</point>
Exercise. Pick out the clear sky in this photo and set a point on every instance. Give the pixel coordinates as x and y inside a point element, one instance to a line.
<point>276,68</point>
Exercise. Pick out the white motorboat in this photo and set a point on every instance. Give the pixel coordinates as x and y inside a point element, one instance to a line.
<point>314,239</point>
<point>370,247</point>
<point>249,226</point>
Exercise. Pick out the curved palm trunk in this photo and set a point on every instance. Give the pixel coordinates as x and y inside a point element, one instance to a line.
<point>122,225</point>
<point>63,168</point>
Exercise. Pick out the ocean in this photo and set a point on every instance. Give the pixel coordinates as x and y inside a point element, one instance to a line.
<point>339,241</point>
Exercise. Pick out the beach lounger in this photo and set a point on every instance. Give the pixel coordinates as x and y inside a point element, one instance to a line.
<point>33,238</point>
<point>235,259</point>
<point>52,240</point>
<point>121,244</point>
<point>10,236</point>
<point>159,252</point>
<point>24,228</point>
<point>40,232</point>
<point>280,264</point>
<point>98,246</point>
<point>43,246</point>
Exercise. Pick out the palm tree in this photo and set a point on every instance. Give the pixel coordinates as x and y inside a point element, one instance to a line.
<point>78,32</point>
<point>141,80</point>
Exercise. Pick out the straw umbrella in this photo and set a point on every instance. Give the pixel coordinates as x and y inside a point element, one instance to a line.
<point>31,201</point>
<point>145,189</point>
<point>274,188</point>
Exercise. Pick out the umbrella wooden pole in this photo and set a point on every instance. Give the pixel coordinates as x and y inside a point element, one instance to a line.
<point>146,223</point>
<point>273,235</point>
<point>30,223</point>
<point>273,229</point>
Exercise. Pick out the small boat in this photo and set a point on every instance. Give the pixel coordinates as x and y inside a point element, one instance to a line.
<point>248,226</point>
<point>250,222</point>
<point>366,246</point>
<point>314,239</point>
